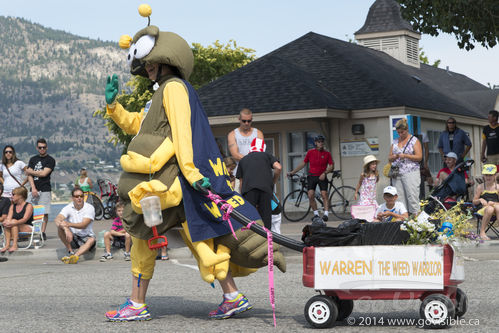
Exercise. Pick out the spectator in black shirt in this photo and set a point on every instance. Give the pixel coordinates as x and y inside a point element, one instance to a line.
<point>256,180</point>
<point>490,140</point>
<point>39,169</point>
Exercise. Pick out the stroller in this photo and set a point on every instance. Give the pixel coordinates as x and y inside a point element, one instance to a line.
<point>109,197</point>
<point>453,185</point>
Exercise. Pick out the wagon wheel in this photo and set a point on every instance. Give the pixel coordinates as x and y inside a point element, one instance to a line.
<point>461,303</point>
<point>436,310</point>
<point>345,308</point>
<point>321,311</point>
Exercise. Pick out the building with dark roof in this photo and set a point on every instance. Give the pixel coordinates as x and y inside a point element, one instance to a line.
<point>318,84</point>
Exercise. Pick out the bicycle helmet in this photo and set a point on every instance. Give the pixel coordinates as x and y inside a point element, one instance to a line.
<point>319,138</point>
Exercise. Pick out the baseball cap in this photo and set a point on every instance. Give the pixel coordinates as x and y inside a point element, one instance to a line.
<point>258,145</point>
<point>390,190</point>
<point>489,169</point>
<point>451,154</point>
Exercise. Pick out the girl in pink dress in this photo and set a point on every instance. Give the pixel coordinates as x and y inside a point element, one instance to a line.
<point>367,182</point>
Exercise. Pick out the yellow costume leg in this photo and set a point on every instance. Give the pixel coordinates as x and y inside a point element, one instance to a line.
<point>143,259</point>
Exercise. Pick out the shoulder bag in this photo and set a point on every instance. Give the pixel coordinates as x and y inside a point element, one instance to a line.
<point>17,181</point>
<point>394,169</point>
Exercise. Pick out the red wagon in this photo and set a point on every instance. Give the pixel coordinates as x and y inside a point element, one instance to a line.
<point>344,274</point>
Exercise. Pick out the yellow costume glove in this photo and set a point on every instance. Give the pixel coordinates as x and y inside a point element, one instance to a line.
<point>169,197</point>
<point>137,163</point>
<point>209,262</point>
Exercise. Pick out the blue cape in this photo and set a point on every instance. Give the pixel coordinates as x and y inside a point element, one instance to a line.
<point>203,216</point>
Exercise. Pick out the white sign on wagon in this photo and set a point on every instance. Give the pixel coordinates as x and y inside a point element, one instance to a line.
<point>379,267</point>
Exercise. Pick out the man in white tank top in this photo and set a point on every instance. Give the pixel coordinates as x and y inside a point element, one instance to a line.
<point>239,139</point>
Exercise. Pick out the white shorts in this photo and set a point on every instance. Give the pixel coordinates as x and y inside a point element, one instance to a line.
<point>43,198</point>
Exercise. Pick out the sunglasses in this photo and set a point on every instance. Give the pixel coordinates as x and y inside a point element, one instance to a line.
<point>78,196</point>
<point>8,152</point>
<point>247,121</point>
<point>42,147</point>
<point>451,122</point>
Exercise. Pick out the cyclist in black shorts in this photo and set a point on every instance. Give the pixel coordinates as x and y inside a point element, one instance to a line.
<point>321,163</point>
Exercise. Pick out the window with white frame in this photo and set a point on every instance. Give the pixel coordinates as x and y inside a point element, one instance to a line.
<point>434,159</point>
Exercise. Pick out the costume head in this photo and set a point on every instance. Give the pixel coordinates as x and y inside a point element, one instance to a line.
<point>258,145</point>
<point>150,45</point>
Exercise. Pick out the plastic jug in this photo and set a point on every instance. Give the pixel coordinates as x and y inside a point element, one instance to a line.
<point>151,208</point>
<point>100,239</point>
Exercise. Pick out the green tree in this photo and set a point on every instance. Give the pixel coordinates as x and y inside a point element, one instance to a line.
<point>424,59</point>
<point>471,21</point>
<point>210,63</point>
<point>216,60</point>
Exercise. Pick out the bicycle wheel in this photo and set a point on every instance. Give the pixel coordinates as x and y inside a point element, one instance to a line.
<point>296,206</point>
<point>99,209</point>
<point>341,201</point>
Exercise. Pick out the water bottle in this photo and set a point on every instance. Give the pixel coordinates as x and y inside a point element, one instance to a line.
<point>36,243</point>
<point>100,239</point>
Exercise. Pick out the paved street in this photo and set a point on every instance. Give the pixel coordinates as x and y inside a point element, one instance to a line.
<point>41,294</point>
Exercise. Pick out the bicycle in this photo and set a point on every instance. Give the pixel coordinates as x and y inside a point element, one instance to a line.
<point>92,198</point>
<point>296,205</point>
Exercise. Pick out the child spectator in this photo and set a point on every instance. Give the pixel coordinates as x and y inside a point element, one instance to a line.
<point>230,164</point>
<point>163,254</point>
<point>367,182</point>
<point>392,210</point>
<point>117,231</point>
<point>487,196</point>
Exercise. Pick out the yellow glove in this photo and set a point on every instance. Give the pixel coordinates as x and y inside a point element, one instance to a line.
<point>169,197</point>
<point>209,262</point>
<point>137,163</point>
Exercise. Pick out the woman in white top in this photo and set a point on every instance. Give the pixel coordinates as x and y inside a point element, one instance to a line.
<point>406,153</point>
<point>11,171</point>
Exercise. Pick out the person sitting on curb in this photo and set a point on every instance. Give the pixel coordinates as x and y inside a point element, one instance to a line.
<point>74,227</point>
<point>19,218</point>
<point>391,210</point>
<point>121,235</point>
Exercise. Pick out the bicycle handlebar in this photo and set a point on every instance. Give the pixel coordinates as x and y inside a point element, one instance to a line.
<point>295,177</point>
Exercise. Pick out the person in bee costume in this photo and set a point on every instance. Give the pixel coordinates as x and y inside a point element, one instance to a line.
<point>174,156</point>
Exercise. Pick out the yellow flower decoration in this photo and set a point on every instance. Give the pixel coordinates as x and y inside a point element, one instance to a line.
<point>125,42</point>
<point>145,10</point>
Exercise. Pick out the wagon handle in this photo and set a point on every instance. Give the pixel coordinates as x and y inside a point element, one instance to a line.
<point>277,238</point>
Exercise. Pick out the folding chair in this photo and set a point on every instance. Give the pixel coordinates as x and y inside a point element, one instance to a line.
<point>491,226</point>
<point>36,228</point>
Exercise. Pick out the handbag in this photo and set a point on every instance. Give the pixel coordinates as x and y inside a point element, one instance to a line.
<point>395,169</point>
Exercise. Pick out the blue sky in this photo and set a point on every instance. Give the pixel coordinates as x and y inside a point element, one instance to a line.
<point>260,25</point>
